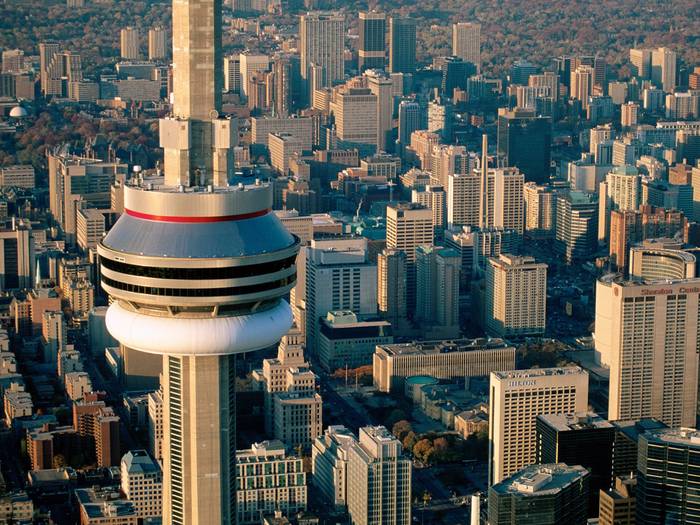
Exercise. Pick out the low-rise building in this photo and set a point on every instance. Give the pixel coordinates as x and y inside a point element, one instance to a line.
<point>555,493</point>
<point>104,506</point>
<point>345,341</point>
<point>446,359</point>
<point>16,507</point>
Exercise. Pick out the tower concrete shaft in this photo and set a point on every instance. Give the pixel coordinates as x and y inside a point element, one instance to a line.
<point>197,141</point>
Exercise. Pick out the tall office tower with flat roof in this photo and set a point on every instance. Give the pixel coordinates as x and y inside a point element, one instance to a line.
<point>130,43</point>
<point>197,268</point>
<point>322,38</point>
<point>466,42</point>
<point>372,51</point>
<point>157,48</point>
<point>402,45</point>
<point>647,333</point>
<point>517,397</point>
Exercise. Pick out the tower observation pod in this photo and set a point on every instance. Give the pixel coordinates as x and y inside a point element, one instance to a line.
<point>198,275</point>
<point>197,268</point>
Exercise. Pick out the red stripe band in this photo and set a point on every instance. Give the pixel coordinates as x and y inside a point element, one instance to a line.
<point>176,218</point>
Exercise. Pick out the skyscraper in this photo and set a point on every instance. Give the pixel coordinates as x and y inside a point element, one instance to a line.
<point>517,398</point>
<point>402,45</point>
<point>524,141</point>
<point>579,439</point>
<point>582,84</point>
<point>130,43</point>
<point>410,119</point>
<point>381,86</point>
<point>339,276</point>
<point>372,51</point>
<point>163,263</point>
<point>391,286</point>
<point>157,49</point>
<point>408,226</point>
<point>322,38</point>
<point>663,68</point>
<point>646,333</point>
<point>455,74</point>
<point>437,290</point>
<point>379,479</point>
<point>577,225</point>
<point>356,117</point>
<point>48,74</point>
<point>641,63</point>
<point>668,474</point>
<point>516,296</point>
<point>540,207</point>
<point>466,42</point>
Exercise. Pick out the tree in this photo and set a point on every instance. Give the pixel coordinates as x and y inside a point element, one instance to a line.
<point>59,461</point>
<point>409,441</point>
<point>423,450</point>
<point>401,429</point>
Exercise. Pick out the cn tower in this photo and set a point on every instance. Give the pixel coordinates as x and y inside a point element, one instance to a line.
<point>197,267</point>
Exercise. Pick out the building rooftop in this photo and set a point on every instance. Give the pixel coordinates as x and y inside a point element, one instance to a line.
<point>104,503</point>
<point>687,437</point>
<point>261,451</point>
<point>539,372</point>
<point>619,279</point>
<point>139,462</point>
<point>443,346</point>
<point>572,422</point>
<point>541,480</point>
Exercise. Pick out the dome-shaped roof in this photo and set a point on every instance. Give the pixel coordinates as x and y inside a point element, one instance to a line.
<point>18,112</point>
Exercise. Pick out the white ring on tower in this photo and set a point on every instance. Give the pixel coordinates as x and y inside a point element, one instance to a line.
<point>201,336</point>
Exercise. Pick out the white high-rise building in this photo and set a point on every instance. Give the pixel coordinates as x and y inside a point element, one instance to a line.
<point>381,85</point>
<point>629,114</point>
<point>249,64</point>
<point>663,68</point>
<point>516,296</point>
<point>621,190</point>
<point>582,84</point>
<point>463,192</point>
<point>517,398</point>
<point>322,43</point>
<point>329,463</point>
<point>505,208</point>
<point>356,116</point>
<point>540,207</point>
<point>379,479</point>
<point>338,276</point>
<point>142,483</point>
<point>647,334</point>
<point>130,41</point>
<point>157,48</point>
<point>407,227</point>
<point>466,42</point>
